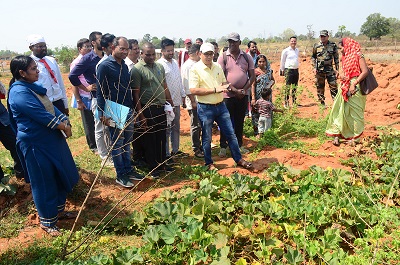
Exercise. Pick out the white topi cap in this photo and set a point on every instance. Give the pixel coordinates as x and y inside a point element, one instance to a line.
<point>34,39</point>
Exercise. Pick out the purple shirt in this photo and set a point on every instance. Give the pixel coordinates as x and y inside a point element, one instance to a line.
<point>81,77</point>
<point>87,67</point>
<point>236,71</point>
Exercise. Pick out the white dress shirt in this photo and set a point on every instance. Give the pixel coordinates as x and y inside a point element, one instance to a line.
<point>185,69</point>
<point>55,91</point>
<point>289,58</point>
<point>129,63</point>
<point>174,80</point>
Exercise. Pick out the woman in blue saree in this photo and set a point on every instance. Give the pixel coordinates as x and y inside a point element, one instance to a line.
<point>41,130</point>
<point>263,80</point>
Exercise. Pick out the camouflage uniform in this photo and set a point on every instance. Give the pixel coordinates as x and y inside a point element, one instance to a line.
<point>322,59</point>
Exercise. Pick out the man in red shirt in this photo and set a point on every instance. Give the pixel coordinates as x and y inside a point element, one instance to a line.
<point>184,55</point>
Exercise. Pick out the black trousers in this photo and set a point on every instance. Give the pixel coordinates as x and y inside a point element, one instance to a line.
<point>237,111</point>
<point>138,145</point>
<point>155,137</point>
<point>88,127</point>
<point>8,138</point>
<point>292,80</point>
<point>60,105</point>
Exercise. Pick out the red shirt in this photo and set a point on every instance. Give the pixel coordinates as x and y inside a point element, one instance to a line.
<point>182,59</point>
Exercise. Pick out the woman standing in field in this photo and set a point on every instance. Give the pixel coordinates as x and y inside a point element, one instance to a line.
<point>41,131</point>
<point>264,79</point>
<point>346,119</point>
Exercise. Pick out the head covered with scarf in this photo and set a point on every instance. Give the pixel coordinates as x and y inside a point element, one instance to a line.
<point>350,63</point>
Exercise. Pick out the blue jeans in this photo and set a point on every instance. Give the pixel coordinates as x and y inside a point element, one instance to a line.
<point>219,113</point>
<point>121,152</point>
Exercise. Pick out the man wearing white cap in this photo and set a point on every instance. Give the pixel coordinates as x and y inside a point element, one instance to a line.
<point>207,81</point>
<point>49,73</point>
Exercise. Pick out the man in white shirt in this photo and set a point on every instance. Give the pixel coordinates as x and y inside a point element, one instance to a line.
<point>133,54</point>
<point>191,103</point>
<point>290,69</point>
<point>49,73</point>
<point>252,50</point>
<point>175,87</point>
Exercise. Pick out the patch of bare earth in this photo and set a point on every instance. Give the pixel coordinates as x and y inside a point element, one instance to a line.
<point>381,110</point>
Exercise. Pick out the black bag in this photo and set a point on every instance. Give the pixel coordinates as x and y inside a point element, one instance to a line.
<point>368,84</point>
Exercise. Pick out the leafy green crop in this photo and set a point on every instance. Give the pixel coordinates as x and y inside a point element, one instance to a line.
<point>313,216</point>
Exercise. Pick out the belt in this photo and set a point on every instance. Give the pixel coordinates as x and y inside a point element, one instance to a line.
<point>208,104</point>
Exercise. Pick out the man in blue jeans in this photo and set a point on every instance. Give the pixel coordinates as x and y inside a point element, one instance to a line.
<point>113,84</point>
<point>207,82</point>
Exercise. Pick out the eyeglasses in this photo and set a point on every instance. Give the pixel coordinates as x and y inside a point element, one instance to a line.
<point>208,54</point>
<point>40,46</point>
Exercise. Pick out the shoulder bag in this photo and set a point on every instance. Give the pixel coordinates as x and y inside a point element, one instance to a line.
<point>368,84</point>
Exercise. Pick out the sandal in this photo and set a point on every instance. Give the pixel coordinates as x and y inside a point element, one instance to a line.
<point>67,215</point>
<point>52,231</point>
<point>211,167</point>
<point>244,164</point>
<point>336,142</point>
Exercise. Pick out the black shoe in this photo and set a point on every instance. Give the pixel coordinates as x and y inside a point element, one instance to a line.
<point>178,153</point>
<point>168,168</point>
<point>133,175</point>
<point>155,174</point>
<point>198,153</point>
<point>169,160</point>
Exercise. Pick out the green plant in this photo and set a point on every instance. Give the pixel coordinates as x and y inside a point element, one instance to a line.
<point>313,216</point>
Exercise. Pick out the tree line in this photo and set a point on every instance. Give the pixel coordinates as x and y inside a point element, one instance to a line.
<point>375,27</point>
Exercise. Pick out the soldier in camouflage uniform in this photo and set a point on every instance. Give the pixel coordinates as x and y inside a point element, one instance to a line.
<point>324,54</point>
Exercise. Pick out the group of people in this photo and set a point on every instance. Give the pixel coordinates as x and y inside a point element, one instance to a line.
<point>111,74</point>
<point>346,119</point>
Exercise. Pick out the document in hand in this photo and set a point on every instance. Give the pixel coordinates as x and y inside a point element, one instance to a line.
<point>85,100</point>
<point>116,112</point>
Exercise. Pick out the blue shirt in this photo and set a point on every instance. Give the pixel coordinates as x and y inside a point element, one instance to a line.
<point>113,83</point>
<point>4,119</point>
<point>87,68</point>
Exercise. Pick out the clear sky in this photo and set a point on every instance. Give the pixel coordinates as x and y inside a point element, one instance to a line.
<point>65,22</point>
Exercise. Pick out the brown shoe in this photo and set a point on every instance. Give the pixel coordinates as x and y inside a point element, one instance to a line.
<point>211,167</point>
<point>244,164</point>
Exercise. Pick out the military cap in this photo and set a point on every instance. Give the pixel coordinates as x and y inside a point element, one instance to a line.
<point>324,33</point>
